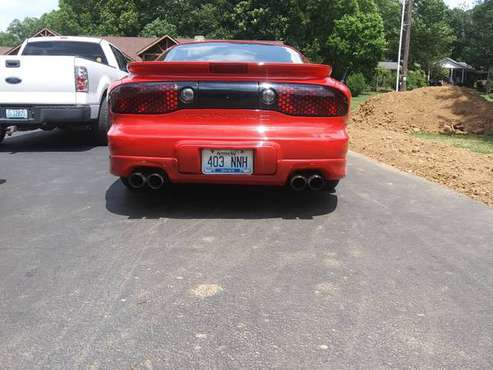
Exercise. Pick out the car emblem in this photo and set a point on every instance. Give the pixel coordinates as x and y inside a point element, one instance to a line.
<point>13,80</point>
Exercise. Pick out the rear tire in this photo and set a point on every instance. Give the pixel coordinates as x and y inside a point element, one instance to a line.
<point>3,132</point>
<point>101,127</point>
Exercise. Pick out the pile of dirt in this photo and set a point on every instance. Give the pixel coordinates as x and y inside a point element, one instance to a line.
<point>382,128</point>
<point>447,109</point>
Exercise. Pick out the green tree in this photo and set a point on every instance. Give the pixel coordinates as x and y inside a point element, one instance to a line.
<point>357,43</point>
<point>479,36</point>
<point>347,33</point>
<point>21,30</point>
<point>211,19</point>
<point>7,39</point>
<point>390,11</point>
<point>432,37</point>
<point>158,28</point>
<point>460,23</point>
<point>118,17</point>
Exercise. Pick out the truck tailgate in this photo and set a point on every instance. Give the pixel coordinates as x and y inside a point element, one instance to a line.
<point>37,80</point>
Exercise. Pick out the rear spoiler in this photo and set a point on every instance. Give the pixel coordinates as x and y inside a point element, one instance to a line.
<point>236,70</point>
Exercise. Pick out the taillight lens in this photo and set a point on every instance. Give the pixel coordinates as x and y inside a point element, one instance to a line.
<point>310,100</point>
<point>144,98</point>
<point>81,79</point>
<point>288,98</point>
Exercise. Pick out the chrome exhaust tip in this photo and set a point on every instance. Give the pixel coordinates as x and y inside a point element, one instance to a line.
<point>316,182</point>
<point>155,181</point>
<point>298,182</point>
<point>137,180</point>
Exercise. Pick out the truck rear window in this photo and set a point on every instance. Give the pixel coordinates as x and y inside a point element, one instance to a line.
<point>86,50</point>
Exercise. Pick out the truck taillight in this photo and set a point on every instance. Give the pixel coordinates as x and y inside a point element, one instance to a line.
<point>144,98</point>
<point>310,100</point>
<point>81,79</point>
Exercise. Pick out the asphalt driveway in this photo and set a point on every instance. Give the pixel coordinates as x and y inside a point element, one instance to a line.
<point>391,272</point>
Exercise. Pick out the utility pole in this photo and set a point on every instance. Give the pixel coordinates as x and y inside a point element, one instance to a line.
<point>398,75</point>
<point>407,42</point>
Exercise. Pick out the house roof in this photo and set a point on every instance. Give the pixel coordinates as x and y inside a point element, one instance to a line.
<point>129,45</point>
<point>392,66</point>
<point>45,32</point>
<point>449,63</point>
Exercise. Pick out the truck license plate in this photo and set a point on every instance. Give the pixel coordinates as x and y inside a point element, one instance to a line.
<point>16,113</point>
<point>227,162</point>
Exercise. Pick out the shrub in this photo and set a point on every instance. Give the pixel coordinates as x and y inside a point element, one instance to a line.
<point>439,73</point>
<point>416,79</point>
<point>356,83</point>
<point>383,80</point>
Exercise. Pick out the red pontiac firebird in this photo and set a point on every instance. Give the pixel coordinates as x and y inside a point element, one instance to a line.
<point>252,113</point>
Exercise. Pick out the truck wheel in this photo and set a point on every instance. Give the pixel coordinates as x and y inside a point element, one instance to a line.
<point>2,134</point>
<point>101,127</point>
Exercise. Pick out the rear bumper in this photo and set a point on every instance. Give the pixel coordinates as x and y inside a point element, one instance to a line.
<point>332,169</point>
<point>46,114</point>
<point>281,145</point>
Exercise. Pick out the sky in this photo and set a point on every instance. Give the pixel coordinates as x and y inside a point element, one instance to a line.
<point>12,9</point>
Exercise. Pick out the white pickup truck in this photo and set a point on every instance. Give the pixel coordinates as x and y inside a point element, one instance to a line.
<point>59,82</point>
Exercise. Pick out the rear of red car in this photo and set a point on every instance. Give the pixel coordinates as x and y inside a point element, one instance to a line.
<point>229,122</point>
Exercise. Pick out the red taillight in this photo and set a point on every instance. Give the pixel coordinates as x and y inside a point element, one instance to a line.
<point>288,98</point>
<point>81,79</point>
<point>310,100</point>
<point>144,98</point>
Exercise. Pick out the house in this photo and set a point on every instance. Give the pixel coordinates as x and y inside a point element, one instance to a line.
<point>389,66</point>
<point>136,48</point>
<point>458,72</point>
<point>4,50</point>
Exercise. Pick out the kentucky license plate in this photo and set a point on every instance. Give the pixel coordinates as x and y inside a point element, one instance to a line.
<point>227,162</point>
<point>16,113</point>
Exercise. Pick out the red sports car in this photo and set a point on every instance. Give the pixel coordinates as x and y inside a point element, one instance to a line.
<point>253,113</point>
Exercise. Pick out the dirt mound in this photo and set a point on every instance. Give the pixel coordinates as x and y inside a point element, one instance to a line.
<point>382,128</point>
<point>446,109</point>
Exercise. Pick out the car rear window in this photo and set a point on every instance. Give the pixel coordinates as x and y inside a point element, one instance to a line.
<point>86,50</point>
<point>233,52</point>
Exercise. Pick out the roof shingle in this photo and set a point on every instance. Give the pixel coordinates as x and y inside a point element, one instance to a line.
<point>4,49</point>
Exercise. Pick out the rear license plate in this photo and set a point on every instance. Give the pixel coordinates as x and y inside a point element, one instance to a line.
<point>16,113</point>
<point>227,162</point>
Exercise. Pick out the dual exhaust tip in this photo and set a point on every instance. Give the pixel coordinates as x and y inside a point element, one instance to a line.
<point>154,180</point>
<point>313,182</point>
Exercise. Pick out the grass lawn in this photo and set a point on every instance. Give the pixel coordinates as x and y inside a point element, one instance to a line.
<point>356,102</point>
<point>476,143</point>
